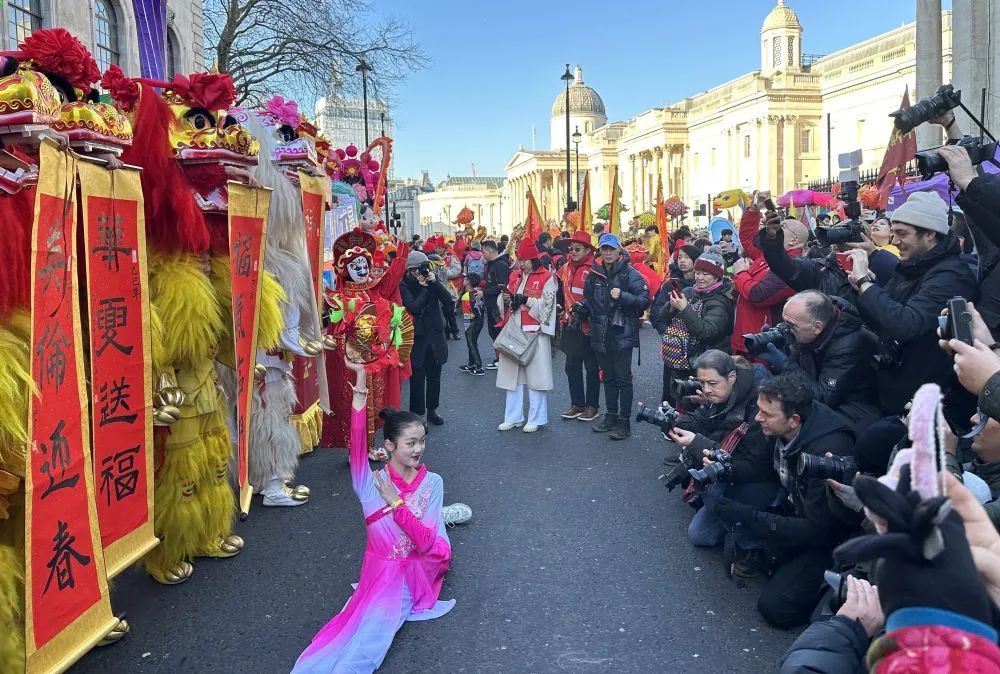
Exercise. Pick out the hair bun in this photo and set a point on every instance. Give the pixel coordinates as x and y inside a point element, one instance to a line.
<point>386,412</point>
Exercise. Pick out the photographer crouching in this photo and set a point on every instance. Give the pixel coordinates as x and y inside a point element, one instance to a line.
<point>722,451</point>
<point>825,339</point>
<point>811,444</point>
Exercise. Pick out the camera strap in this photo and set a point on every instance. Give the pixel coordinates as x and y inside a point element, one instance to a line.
<point>733,439</point>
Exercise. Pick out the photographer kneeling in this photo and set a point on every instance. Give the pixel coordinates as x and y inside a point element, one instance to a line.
<point>800,531</point>
<point>724,429</point>
<point>834,350</point>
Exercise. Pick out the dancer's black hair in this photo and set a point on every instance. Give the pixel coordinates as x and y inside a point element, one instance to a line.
<point>395,422</point>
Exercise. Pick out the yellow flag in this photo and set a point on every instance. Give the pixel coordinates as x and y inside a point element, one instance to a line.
<point>614,210</point>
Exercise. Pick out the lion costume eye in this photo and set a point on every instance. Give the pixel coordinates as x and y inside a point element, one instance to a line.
<point>200,120</point>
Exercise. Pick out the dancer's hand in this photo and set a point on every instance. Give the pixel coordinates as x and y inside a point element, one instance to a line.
<point>386,489</point>
<point>360,375</point>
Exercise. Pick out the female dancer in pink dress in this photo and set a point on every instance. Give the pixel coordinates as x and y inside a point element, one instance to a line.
<point>407,554</point>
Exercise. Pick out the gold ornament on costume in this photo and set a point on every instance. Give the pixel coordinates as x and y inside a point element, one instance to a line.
<point>28,98</point>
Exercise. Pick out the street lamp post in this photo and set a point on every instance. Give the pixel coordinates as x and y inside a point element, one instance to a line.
<point>567,78</point>
<point>577,137</point>
<point>364,69</point>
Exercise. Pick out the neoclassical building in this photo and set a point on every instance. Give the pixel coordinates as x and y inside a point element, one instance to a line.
<point>778,127</point>
<point>110,29</point>
<point>437,210</point>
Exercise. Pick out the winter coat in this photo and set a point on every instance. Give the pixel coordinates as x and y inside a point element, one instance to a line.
<point>804,273</point>
<point>981,204</point>
<point>760,292</point>
<point>812,522</point>
<point>990,473</point>
<point>612,319</point>
<point>989,398</point>
<point>753,456</point>
<point>427,304</point>
<point>931,645</point>
<point>840,363</point>
<point>711,326</point>
<point>833,646</point>
<point>497,275</point>
<point>904,315</point>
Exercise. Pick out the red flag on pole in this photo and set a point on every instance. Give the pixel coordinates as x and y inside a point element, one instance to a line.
<point>533,226</point>
<point>900,150</point>
<point>661,228</point>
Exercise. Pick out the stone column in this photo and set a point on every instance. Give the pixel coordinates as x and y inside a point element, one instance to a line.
<point>658,153</point>
<point>970,56</point>
<point>929,66</point>
<point>790,154</point>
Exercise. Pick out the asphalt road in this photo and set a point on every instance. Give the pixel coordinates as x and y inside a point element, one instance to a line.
<point>576,560</point>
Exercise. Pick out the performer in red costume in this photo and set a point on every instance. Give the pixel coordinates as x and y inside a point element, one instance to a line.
<point>364,287</point>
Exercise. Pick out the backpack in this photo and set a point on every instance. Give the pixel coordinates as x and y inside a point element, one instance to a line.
<point>476,264</point>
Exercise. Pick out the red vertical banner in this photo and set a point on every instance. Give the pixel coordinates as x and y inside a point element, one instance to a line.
<point>66,596</point>
<point>248,208</point>
<point>120,366</point>
<point>314,219</point>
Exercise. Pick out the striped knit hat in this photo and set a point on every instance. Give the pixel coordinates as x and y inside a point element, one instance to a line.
<point>711,262</point>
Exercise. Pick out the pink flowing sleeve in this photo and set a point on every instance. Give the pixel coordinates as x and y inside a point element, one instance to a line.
<point>361,475</point>
<point>425,535</point>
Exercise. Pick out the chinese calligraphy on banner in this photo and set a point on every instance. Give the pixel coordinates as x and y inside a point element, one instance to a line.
<point>121,413</point>
<point>66,587</point>
<point>248,209</point>
<point>314,217</point>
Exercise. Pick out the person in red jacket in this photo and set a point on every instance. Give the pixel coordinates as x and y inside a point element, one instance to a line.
<point>761,294</point>
<point>584,396</point>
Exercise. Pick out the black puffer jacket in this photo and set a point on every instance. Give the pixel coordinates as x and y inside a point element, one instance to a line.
<point>615,319</point>
<point>904,315</point>
<point>804,273</point>
<point>841,366</point>
<point>811,522</point>
<point>753,456</point>
<point>981,204</point>
<point>833,646</point>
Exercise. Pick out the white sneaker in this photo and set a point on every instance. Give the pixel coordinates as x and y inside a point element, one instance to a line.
<point>456,513</point>
<point>531,428</point>
<point>510,425</point>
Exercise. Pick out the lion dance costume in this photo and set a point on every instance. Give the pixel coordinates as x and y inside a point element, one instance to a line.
<point>183,141</point>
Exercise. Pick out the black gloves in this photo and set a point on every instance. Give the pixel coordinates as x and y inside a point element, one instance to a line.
<point>733,512</point>
<point>924,557</point>
<point>518,300</point>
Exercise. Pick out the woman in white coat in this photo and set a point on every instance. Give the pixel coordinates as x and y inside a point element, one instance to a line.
<point>531,295</point>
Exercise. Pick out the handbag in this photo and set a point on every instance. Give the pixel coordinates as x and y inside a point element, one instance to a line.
<point>516,343</point>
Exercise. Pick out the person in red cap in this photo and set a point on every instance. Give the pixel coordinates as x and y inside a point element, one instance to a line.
<point>531,296</point>
<point>584,395</point>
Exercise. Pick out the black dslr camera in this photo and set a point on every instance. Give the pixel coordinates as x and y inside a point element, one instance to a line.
<point>929,162</point>
<point>721,469</point>
<point>958,323</point>
<point>780,335</point>
<point>850,230</point>
<point>424,269</point>
<point>663,416</point>
<point>687,387</point>
<point>839,468</point>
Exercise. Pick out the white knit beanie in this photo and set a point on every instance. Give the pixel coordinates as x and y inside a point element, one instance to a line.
<point>925,210</point>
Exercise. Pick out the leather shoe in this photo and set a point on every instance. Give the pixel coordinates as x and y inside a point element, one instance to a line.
<point>434,418</point>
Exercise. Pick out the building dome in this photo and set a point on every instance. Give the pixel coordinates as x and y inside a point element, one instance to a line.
<point>582,99</point>
<point>781,17</point>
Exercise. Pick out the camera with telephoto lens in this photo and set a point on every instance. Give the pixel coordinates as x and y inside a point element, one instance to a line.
<point>687,387</point>
<point>713,472</point>
<point>850,230</point>
<point>779,335</point>
<point>930,162</point>
<point>958,323</point>
<point>578,313</point>
<point>839,468</point>
<point>926,109</point>
<point>663,416</point>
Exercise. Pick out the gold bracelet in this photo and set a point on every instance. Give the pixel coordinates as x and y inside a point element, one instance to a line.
<point>395,504</point>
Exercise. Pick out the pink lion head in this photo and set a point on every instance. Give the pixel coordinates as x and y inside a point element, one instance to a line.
<point>286,112</point>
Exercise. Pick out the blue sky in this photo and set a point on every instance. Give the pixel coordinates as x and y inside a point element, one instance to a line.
<point>495,66</point>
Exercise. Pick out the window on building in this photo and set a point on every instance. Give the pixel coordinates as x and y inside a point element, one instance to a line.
<point>806,141</point>
<point>23,17</point>
<point>586,127</point>
<point>171,55</point>
<point>106,27</point>
<point>791,50</point>
<point>694,161</point>
<point>861,132</point>
<point>776,52</point>
<point>746,147</point>
<point>712,157</point>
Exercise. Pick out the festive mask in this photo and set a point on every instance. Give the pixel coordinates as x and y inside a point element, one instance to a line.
<point>26,96</point>
<point>358,269</point>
